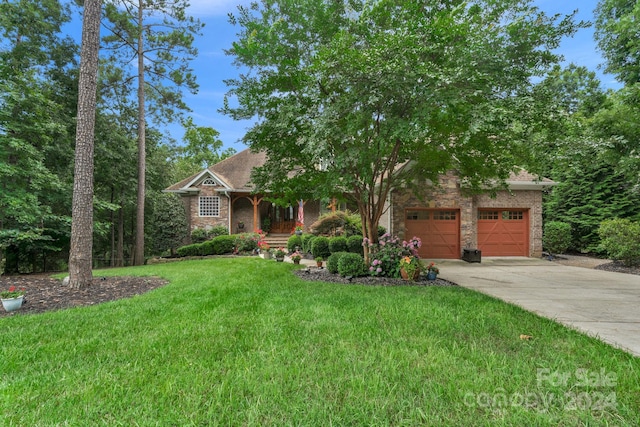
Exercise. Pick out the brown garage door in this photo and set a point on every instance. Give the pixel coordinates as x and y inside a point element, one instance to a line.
<point>503,232</point>
<point>439,230</point>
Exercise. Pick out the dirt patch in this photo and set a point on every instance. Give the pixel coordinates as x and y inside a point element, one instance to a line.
<point>42,293</point>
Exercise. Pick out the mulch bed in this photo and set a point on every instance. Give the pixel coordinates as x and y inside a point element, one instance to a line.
<point>42,293</point>
<point>322,274</point>
<point>618,267</point>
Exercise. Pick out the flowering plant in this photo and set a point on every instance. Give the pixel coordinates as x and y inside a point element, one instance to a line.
<point>298,227</point>
<point>296,256</point>
<point>280,252</point>
<point>12,293</point>
<point>432,268</point>
<point>410,264</point>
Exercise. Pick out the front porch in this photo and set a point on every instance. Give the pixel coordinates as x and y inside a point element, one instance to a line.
<point>250,212</point>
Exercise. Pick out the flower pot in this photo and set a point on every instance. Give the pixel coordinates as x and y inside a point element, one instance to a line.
<point>12,304</point>
<point>267,255</point>
<point>432,275</point>
<point>296,261</point>
<point>405,275</point>
<point>279,259</point>
<point>319,264</point>
<point>299,232</point>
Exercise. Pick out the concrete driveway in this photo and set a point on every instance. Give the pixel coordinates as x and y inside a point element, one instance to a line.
<point>600,303</point>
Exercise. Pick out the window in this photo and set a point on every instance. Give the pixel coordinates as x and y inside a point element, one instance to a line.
<point>444,215</point>
<point>417,215</point>
<point>488,215</point>
<point>511,215</point>
<point>209,205</point>
<point>209,181</point>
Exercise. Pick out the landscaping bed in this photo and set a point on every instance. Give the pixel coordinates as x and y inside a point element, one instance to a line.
<point>323,275</point>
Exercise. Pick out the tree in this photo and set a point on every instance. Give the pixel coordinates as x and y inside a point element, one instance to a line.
<point>617,36</point>
<point>159,35</point>
<point>360,98</point>
<point>81,252</point>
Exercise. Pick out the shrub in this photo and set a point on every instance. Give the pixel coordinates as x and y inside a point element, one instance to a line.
<point>620,238</point>
<point>351,265</point>
<point>385,256</point>
<point>352,224</point>
<point>354,244</point>
<point>247,242</point>
<point>218,230</point>
<point>224,244</point>
<point>557,237</point>
<point>207,248</point>
<point>329,223</point>
<point>306,246</point>
<point>199,235</point>
<point>294,241</point>
<point>188,250</point>
<point>320,247</point>
<point>338,244</point>
<point>333,260</point>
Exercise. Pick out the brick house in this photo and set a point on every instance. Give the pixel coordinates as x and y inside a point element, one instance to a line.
<point>447,220</point>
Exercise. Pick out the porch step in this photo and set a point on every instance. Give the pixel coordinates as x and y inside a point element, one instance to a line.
<point>277,240</point>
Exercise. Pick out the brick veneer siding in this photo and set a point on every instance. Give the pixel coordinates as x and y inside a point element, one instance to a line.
<point>449,196</point>
<point>196,221</point>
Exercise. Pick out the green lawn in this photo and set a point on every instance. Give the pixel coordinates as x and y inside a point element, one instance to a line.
<point>244,342</point>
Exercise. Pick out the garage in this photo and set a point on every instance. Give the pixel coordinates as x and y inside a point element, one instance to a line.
<point>503,232</point>
<point>439,230</point>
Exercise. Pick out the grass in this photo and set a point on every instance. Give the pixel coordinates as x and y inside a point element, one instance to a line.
<point>244,342</point>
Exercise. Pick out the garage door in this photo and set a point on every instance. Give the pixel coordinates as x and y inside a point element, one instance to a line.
<point>503,232</point>
<point>439,230</point>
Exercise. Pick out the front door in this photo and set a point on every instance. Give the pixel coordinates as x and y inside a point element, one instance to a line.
<point>283,220</point>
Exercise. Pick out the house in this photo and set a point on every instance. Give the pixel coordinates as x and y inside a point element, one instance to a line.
<point>447,220</point>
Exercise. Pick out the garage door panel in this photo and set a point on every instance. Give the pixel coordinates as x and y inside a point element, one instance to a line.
<point>439,231</point>
<point>503,232</point>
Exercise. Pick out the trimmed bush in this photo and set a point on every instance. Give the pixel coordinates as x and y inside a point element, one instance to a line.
<point>329,223</point>
<point>307,243</point>
<point>320,247</point>
<point>338,244</point>
<point>207,248</point>
<point>620,238</point>
<point>557,237</point>
<point>218,230</point>
<point>224,244</point>
<point>294,241</point>
<point>351,265</point>
<point>333,260</point>
<point>199,235</point>
<point>306,247</point>
<point>354,244</point>
<point>188,250</point>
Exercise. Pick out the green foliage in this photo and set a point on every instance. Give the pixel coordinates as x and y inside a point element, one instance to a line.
<point>621,240</point>
<point>293,241</point>
<point>354,82</point>
<point>189,250</point>
<point>306,242</point>
<point>354,244</point>
<point>199,235</point>
<point>223,244</point>
<point>338,244</point>
<point>169,225</point>
<point>557,237</point>
<point>332,262</point>
<point>320,247</point>
<point>351,264</point>
<point>329,223</point>
<point>218,230</point>
<point>246,242</point>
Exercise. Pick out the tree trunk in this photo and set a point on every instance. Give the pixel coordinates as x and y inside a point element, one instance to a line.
<point>120,248</point>
<point>80,254</point>
<point>138,257</point>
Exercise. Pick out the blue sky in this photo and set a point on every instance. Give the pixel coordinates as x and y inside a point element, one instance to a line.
<point>212,66</point>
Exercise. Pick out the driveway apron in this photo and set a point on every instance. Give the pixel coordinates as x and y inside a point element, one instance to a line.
<point>600,303</point>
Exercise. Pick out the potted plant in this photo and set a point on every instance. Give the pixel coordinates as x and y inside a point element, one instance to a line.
<point>410,267</point>
<point>296,257</point>
<point>12,299</point>
<point>279,254</point>
<point>319,260</point>
<point>299,228</point>
<point>432,271</point>
<point>265,249</point>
